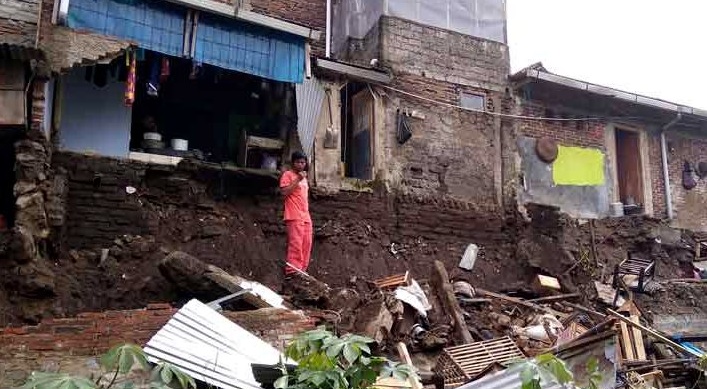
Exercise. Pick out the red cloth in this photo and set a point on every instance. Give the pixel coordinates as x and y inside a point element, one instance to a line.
<point>130,83</point>
<point>299,245</point>
<point>297,202</point>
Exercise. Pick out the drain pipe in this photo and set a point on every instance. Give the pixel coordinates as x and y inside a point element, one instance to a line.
<point>327,33</point>
<point>664,158</point>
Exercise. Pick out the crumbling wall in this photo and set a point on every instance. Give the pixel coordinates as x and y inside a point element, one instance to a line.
<point>73,345</point>
<point>100,207</point>
<point>18,22</point>
<point>690,206</point>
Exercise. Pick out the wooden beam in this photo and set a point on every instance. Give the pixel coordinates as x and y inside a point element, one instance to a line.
<point>554,298</point>
<point>440,280</point>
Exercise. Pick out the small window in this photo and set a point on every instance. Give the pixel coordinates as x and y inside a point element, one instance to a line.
<point>473,101</point>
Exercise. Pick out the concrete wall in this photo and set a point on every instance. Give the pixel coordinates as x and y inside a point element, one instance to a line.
<point>577,201</point>
<point>94,119</point>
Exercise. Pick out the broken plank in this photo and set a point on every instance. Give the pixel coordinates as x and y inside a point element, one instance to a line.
<point>585,309</point>
<point>626,343</point>
<point>514,300</point>
<point>555,298</point>
<point>405,356</point>
<point>638,340</point>
<point>440,280</point>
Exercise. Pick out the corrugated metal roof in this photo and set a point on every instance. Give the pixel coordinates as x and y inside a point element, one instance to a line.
<point>506,379</point>
<point>309,96</point>
<point>210,348</point>
<point>19,52</point>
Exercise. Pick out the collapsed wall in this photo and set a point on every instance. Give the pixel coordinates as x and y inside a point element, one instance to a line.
<point>122,217</point>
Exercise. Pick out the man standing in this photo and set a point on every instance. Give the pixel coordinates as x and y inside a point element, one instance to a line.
<point>294,186</point>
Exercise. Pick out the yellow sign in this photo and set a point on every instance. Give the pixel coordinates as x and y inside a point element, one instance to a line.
<point>578,166</point>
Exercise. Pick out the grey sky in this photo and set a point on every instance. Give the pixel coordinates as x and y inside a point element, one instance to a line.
<point>655,48</point>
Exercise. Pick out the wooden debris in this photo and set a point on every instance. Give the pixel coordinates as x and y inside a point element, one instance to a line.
<point>652,333</point>
<point>527,304</point>
<point>460,364</point>
<point>634,271</point>
<point>440,281</point>
<point>393,281</point>
<point>572,331</point>
<point>405,356</point>
<point>559,297</point>
<point>586,310</point>
<point>544,283</point>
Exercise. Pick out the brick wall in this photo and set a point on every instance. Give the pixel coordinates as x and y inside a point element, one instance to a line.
<point>453,153</point>
<point>581,134</point>
<point>98,206</point>
<point>443,55</point>
<point>658,184</point>
<point>690,206</point>
<point>72,344</point>
<point>309,13</point>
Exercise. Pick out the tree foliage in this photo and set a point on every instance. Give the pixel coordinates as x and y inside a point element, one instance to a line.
<point>116,368</point>
<point>326,361</point>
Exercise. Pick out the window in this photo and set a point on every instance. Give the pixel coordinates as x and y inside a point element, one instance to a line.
<point>472,101</point>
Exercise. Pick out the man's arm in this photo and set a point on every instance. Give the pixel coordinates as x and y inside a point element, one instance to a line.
<point>288,189</point>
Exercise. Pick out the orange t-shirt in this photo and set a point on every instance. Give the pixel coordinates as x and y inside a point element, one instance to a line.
<point>297,202</point>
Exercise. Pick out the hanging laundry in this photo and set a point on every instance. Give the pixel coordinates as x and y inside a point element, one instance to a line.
<point>130,82</point>
<point>164,70</point>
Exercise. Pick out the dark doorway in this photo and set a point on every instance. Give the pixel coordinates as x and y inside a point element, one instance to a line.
<point>628,167</point>
<point>357,124</point>
<point>8,137</point>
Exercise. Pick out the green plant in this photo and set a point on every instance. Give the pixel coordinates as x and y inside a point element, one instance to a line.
<point>116,366</point>
<point>547,368</point>
<point>326,361</point>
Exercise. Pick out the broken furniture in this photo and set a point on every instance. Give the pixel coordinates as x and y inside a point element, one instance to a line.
<point>635,272</point>
<point>393,281</point>
<point>458,365</point>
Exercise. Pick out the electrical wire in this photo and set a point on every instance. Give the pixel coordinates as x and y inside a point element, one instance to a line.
<point>504,115</point>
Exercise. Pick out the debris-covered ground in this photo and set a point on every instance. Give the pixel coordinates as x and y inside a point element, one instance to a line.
<point>387,267</point>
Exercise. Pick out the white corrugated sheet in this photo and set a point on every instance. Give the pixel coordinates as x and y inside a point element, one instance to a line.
<point>309,95</point>
<point>210,348</point>
<point>506,379</point>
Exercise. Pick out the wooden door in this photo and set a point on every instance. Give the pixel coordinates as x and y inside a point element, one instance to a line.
<point>629,167</point>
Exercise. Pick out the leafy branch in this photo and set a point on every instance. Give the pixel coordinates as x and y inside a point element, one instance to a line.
<point>547,368</point>
<point>326,361</point>
<point>116,366</point>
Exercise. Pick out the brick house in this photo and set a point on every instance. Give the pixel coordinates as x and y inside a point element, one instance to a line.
<point>628,152</point>
<point>245,83</point>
